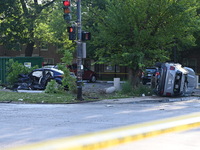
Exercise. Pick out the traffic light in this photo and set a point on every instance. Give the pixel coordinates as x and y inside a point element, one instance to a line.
<point>72,33</point>
<point>67,10</point>
<point>86,36</point>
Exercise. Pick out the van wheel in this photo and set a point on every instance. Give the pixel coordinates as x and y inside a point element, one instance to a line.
<point>93,79</point>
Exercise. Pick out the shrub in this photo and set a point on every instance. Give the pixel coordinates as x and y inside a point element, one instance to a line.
<point>54,87</point>
<point>68,80</point>
<point>14,69</point>
<point>127,89</point>
<point>142,89</point>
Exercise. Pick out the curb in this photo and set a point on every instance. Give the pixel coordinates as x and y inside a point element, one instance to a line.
<point>169,100</point>
<point>150,99</point>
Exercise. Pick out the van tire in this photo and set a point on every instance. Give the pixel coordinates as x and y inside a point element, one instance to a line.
<point>93,79</point>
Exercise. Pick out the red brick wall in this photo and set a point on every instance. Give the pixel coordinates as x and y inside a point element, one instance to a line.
<point>50,53</point>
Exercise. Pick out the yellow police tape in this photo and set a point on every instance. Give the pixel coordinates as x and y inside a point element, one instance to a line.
<point>112,137</point>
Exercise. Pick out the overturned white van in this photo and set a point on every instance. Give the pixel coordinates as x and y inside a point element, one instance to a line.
<point>174,80</point>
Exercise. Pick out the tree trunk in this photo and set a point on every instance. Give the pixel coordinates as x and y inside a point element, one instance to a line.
<point>134,76</point>
<point>29,49</point>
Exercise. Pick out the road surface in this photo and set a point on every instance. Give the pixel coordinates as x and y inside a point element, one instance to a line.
<point>29,123</point>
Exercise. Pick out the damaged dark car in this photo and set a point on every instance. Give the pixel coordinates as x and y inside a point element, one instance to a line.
<point>38,79</point>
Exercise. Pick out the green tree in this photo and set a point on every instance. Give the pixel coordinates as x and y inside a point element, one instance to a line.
<point>52,28</point>
<point>139,33</point>
<point>18,22</point>
<point>92,14</point>
<point>8,24</point>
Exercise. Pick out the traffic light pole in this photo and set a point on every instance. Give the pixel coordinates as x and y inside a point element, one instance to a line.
<point>79,52</point>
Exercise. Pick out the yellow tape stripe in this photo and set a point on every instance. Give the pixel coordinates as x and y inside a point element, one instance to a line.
<point>118,136</point>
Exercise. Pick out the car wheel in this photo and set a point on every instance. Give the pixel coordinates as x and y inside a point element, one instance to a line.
<point>93,79</point>
<point>144,83</point>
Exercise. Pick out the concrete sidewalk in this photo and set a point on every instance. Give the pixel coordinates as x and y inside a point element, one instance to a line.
<point>147,99</point>
<point>152,99</point>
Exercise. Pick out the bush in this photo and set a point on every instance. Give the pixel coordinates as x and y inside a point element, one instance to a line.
<point>128,89</point>
<point>68,80</point>
<point>14,69</point>
<point>54,87</point>
<point>143,89</point>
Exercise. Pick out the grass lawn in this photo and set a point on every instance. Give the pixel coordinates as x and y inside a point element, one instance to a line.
<point>47,98</point>
<point>6,96</point>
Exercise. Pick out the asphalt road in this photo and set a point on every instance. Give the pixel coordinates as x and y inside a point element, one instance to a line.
<point>187,140</point>
<point>28,123</point>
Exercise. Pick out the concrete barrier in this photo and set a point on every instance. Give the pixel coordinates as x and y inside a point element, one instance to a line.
<point>117,83</point>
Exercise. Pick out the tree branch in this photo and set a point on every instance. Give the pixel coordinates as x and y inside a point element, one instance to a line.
<point>36,2</point>
<point>47,4</point>
<point>24,7</point>
<point>40,8</point>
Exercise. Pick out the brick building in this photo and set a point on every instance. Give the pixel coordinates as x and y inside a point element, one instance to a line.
<point>48,52</point>
<point>51,56</point>
<point>192,59</point>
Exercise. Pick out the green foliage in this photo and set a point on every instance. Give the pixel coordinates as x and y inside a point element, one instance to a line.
<point>91,16</point>
<point>141,32</point>
<point>11,24</point>
<point>51,27</point>
<point>128,89</point>
<point>138,32</point>
<point>67,80</point>
<point>18,21</point>
<point>54,87</point>
<point>36,97</point>
<point>14,69</point>
<point>143,89</point>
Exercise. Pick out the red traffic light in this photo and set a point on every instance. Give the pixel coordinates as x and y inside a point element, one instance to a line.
<point>70,29</point>
<point>72,33</point>
<point>67,10</point>
<point>66,3</point>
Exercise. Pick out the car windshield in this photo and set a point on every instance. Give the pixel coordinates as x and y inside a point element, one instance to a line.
<point>152,70</point>
<point>37,74</point>
<point>56,70</point>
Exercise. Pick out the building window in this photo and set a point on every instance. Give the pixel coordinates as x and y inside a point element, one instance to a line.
<point>14,46</point>
<point>44,46</point>
<point>48,61</point>
<point>111,68</point>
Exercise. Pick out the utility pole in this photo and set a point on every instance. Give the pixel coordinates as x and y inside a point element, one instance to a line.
<point>79,52</point>
<point>72,36</point>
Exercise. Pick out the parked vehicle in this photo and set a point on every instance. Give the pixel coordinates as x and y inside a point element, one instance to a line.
<point>38,78</point>
<point>148,74</point>
<point>172,79</point>
<point>87,73</point>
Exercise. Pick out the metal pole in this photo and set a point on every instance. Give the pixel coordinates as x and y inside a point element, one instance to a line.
<point>79,52</point>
